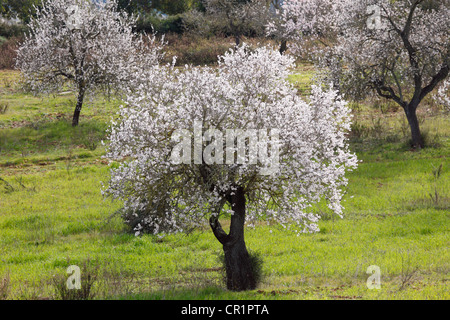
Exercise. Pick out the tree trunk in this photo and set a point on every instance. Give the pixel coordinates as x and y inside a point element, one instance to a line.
<point>76,114</point>
<point>237,39</point>
<point>283,46</point>
<point>239,270</point>
<point>416,136</point>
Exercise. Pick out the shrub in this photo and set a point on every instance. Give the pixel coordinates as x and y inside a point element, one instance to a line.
<point>3,108</point>
<point>8,53</point>
<point>191,49</point>
<point>12,30</point>
<point>4,286</point>
<point>155,23</point>
<point>89,273</point>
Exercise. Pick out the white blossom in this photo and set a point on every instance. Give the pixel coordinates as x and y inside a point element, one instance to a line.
<point>249,90</point>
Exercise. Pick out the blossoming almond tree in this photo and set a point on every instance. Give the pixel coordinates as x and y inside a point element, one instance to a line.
<point>399,50</point>
<point>302,159</point>
<point>84,44</point>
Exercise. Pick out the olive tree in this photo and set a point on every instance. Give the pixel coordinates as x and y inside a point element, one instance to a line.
<point>85,45</point>
<point>198,145</point>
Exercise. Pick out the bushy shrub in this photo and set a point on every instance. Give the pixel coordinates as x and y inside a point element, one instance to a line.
<point>8,53</point>
<point>198,50</point>
<point>191,49</point>
<point>160,24</point>
<point>12,30</point>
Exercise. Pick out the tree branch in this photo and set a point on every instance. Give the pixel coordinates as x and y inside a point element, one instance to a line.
<point>438,77</point>
<point>215,225</point>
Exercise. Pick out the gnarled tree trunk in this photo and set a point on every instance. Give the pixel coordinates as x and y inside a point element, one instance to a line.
<point>239,270</point>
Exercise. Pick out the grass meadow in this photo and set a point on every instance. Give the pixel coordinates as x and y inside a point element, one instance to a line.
<point>52,215</point>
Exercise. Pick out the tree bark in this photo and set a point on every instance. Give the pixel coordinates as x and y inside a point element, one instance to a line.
<point>237,39</point>
<point>416,136</point>
<point>283,47</point>
<point>76,114</point>
<point>238,267</point>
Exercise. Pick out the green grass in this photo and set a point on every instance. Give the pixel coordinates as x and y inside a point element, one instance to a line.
<point>52,215</point>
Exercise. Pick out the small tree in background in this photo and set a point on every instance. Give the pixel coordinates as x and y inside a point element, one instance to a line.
<point>398,50</point>
<point>301,149</point>
<point>170,7</point>
<point>22,9</point>
<point>275,24</point>
<point>86,45</point>
<point>239,16</point>
<point>443,95</point>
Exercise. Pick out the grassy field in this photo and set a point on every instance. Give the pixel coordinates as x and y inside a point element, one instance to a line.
<point>52,215</point>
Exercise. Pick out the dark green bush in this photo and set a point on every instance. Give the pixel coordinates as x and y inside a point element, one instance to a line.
<point>8,53</point>
<point>195,50</point>
<point>160,24</point>
<point>12,30</point>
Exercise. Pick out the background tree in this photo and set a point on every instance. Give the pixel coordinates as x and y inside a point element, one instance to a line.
<point>22,9</point>
<point>248,91</point>
<point>170,7</point>
<point>89,47</point>
<point>275,23</point>
<point>397,50</point>
<point>239,16</point>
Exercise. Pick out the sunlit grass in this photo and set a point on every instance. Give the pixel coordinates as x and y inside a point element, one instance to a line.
<point>52,214</point>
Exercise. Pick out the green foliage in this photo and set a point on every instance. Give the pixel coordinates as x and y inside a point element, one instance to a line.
<point>23,9</point>
<point>170,7</point>
<point>152,22</point>
<point>12,30</point>
<point>174,7</point>
<point>196,50</point>
<point>8,52</point>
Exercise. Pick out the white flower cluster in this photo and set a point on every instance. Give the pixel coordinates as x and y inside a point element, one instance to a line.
<point>249,90</point>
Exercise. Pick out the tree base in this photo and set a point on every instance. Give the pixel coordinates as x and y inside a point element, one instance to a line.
<point>240,273</point>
